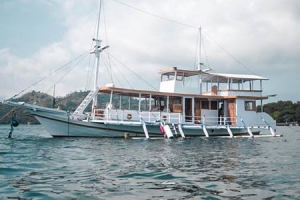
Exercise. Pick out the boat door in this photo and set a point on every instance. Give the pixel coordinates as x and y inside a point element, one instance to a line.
<point>232,111</point>
<point>188,109</point>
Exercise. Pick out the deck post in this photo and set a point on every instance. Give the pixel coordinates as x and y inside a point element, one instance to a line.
<point>229,131</point>
<point>145,128</point>
<point>181,131</point>
<point>248,128</point>
<point>204,127</point>
<point>269,127</point>
<point>174,128</point>
<point>205,130</point>
<point>228,128</point>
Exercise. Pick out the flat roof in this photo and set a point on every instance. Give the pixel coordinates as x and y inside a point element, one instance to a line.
<point>146,94</point>
<point>210,76</point>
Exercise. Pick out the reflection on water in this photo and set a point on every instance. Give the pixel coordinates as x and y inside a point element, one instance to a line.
<point>35,166</point>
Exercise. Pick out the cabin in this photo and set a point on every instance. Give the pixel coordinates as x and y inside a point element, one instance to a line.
<point>192,97</point>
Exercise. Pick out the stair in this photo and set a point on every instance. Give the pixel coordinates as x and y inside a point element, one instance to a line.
<point>85,102</point>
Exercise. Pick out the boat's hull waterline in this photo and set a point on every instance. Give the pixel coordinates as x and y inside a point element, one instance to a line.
<point>65,126</point>
<point>60,123</point>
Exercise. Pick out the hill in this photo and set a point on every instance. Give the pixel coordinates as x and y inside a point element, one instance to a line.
<point>69,102</point>
<point>282,111</point>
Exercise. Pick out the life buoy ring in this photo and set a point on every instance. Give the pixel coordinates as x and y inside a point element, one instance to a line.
<point>164,118</point>
<point>129,116</point>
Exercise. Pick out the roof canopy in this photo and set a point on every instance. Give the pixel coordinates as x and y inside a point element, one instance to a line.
<point>214,77</point>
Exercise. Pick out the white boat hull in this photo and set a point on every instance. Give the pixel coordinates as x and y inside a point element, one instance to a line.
<point>61,123</point>
<point>64,126</point>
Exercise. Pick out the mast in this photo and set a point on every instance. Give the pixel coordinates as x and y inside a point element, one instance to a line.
<point>97,50</point>
<point>97,55</point>
<point>199,63</point>
<point>199,53</point>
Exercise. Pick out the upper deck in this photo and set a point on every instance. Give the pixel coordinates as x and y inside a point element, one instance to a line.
<point>211,84</point>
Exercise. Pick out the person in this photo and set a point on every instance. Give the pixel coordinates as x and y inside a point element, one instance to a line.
<point>221,113</point>
<point>13,123</point>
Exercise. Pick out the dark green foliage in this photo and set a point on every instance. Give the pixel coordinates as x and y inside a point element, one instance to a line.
<point>70,102</point>
<point>283,111</point>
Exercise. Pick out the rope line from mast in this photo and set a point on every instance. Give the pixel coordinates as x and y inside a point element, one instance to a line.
<point>233,57</point>
<point>189,26</point>
<point>105,30</point>
<point>120,72</point>
<point>67,72</point>
<point>133,72</point>
<point>53,72</point>
<point>157,16</point>
<point>7,114</point>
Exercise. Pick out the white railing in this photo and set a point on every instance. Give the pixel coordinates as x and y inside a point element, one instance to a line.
<point>164,117</point>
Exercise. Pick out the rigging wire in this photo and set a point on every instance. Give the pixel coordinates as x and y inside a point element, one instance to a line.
<point>105,29</point>
<point>154,15</point>
<point>7,113</point>
<point>89,74</point>
<point>133,72</point>
<point>189,26</point>
<point>233,57</point>
<point>105,62</point>
<point>115,75</point>
<point>204,49</point>
<point>53,72</point>
<point>67,73</point>
<point>120,72</point>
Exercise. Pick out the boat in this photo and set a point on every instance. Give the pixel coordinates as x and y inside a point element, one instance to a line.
<point>188,103</point>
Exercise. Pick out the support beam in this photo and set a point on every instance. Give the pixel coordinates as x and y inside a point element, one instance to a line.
<point>145,129</point>
<point>229,131</point>
<point>181,131</point>
<point>205,130</point>
<point>248,128</point>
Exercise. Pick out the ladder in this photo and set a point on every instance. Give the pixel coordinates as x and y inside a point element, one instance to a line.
<point>79,110</point>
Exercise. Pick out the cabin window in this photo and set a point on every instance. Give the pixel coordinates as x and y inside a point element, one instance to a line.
<point>250,106</point>
<point>179,78</point>
<point>175,104</point>
<point>168,77</point>
<point>205,104</point>
<point>214,105</point>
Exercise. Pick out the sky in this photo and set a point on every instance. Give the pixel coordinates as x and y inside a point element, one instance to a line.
<point>38,39</point>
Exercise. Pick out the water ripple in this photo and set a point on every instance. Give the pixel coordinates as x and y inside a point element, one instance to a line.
<point>35,166</point>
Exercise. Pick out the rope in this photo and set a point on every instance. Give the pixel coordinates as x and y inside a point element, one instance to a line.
<point>157,16</point>
<point>234,58</point>
<point>7,114</point>
<point>49,75</point>
<point>67,72</point>
<point>189,26</point>
<point>120,72</point>
<point>133,72</point>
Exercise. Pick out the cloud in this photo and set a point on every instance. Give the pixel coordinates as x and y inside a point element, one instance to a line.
<point>263,35</point>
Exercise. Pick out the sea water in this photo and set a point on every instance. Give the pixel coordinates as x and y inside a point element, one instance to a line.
<point>33,165</point>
